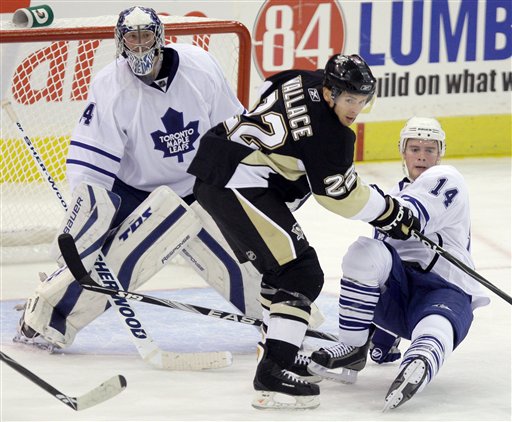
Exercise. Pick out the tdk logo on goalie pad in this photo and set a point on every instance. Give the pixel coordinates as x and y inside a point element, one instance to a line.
<point>178,138</point>
<point>134,225</point>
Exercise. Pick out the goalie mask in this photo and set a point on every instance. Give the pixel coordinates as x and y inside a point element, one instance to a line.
<point>424,128</point>
<point>139,37</point>
<point>349,73</point>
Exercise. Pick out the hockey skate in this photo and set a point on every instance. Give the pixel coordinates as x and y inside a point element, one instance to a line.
<point>300,368</point>
<point>26,335</point>
<point>277,388</point>
<point>340,363</point>
<point>410,380</point>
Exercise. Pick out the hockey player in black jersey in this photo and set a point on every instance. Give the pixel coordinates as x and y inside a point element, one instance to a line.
<point>254,169</point>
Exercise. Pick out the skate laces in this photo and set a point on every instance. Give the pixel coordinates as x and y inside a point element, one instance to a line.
<point>301,359</point>
<point>338,350</point>
<point>292,377</point>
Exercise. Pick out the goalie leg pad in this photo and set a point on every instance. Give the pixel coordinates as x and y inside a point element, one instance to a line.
<point>88,220</point>
<point>150,237</point>
<point>212,258</point>
<point>143,244</point>
<point>40,313</point>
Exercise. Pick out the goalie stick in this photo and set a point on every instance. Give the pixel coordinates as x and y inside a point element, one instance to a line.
<point>145,345</point>
<point>72,258</point>
<point>110,388</point>
<point>460,265</point>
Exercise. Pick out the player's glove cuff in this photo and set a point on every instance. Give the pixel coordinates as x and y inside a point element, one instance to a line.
<point>384,347</point>
<point>396,221</point>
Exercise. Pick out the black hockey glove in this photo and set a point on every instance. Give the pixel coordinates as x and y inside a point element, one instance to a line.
<point>384,347</point>
<point>396,221</point>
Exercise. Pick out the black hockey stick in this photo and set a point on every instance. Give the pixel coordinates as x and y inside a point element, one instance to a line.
<point>99,394</point>
<point>72,258</point>
<point>460,265</point>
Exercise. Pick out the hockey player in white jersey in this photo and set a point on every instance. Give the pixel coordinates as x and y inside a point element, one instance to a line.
<point>132,197</point>
<point>403,288</point>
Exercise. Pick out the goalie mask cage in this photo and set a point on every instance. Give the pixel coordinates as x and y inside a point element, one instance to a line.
<point>48,88</point>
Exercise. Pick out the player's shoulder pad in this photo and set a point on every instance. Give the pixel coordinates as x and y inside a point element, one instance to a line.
<point>113,79</point>
<point>189,53</point>
<point>107,73</point>
<point>272,82</point>
<point>442,170</point>
<point>198,63</point>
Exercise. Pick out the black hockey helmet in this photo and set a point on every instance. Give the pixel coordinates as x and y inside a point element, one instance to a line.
<point>349,73</point>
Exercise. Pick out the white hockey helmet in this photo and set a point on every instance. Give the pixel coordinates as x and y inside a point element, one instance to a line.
<point>423,128</point>
<point>139,37</point>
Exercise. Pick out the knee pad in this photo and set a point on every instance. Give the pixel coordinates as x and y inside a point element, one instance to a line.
<point>303,275</point>
<point>300,282</point>
<point>367,261</point>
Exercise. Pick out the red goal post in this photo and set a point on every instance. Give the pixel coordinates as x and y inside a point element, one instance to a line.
<point>46,84</point>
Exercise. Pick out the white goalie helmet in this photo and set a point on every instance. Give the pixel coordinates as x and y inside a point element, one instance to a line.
<point>139,35</point>
<point>423,128</point>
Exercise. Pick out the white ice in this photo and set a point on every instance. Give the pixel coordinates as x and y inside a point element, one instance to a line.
<point>474,384</point>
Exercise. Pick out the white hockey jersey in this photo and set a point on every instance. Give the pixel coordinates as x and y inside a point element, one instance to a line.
<point>439,198</point>
<point>146,135</point>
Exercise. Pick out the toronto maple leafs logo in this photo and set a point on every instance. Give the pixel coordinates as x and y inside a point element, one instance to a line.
<point>178,138</point>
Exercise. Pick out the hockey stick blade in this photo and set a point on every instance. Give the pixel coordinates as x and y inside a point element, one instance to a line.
<point>157,358</point>
<point>110,388</point>
<point>460,265</point>
<point>70,255</point>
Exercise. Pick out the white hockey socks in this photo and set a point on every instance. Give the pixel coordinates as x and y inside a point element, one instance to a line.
<point>432,338</point>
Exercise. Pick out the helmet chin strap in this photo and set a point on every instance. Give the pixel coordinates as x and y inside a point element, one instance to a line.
<point>406,170</point>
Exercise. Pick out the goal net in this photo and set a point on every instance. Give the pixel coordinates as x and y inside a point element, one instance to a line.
<point>47,87</point>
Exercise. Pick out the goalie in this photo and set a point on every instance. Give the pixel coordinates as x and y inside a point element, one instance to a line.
<point>132,197</point>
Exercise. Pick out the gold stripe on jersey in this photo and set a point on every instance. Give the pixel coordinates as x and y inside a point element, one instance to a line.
<point>277,240</point>
<point>282,308</point>
<point>350,205</point>
<point>290,168</point>
<point>265,302</point>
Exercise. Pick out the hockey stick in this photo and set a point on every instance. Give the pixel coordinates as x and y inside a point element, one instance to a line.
<point>70,254</point>
<point>110,388</point>
<point>145,345</point>
<point>460,265</point>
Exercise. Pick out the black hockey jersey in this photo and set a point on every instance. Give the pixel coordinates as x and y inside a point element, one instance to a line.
<point>291,142</point>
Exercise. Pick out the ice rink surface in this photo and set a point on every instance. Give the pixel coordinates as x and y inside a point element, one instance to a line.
<point>473,385</point>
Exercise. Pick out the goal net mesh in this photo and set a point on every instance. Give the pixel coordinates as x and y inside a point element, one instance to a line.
<point>47,88</point>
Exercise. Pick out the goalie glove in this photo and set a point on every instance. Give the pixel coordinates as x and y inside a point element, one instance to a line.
<point>396,221</point>
<point>384,347</point>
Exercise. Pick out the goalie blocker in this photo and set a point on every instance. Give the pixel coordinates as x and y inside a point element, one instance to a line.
<point>161,227</point>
